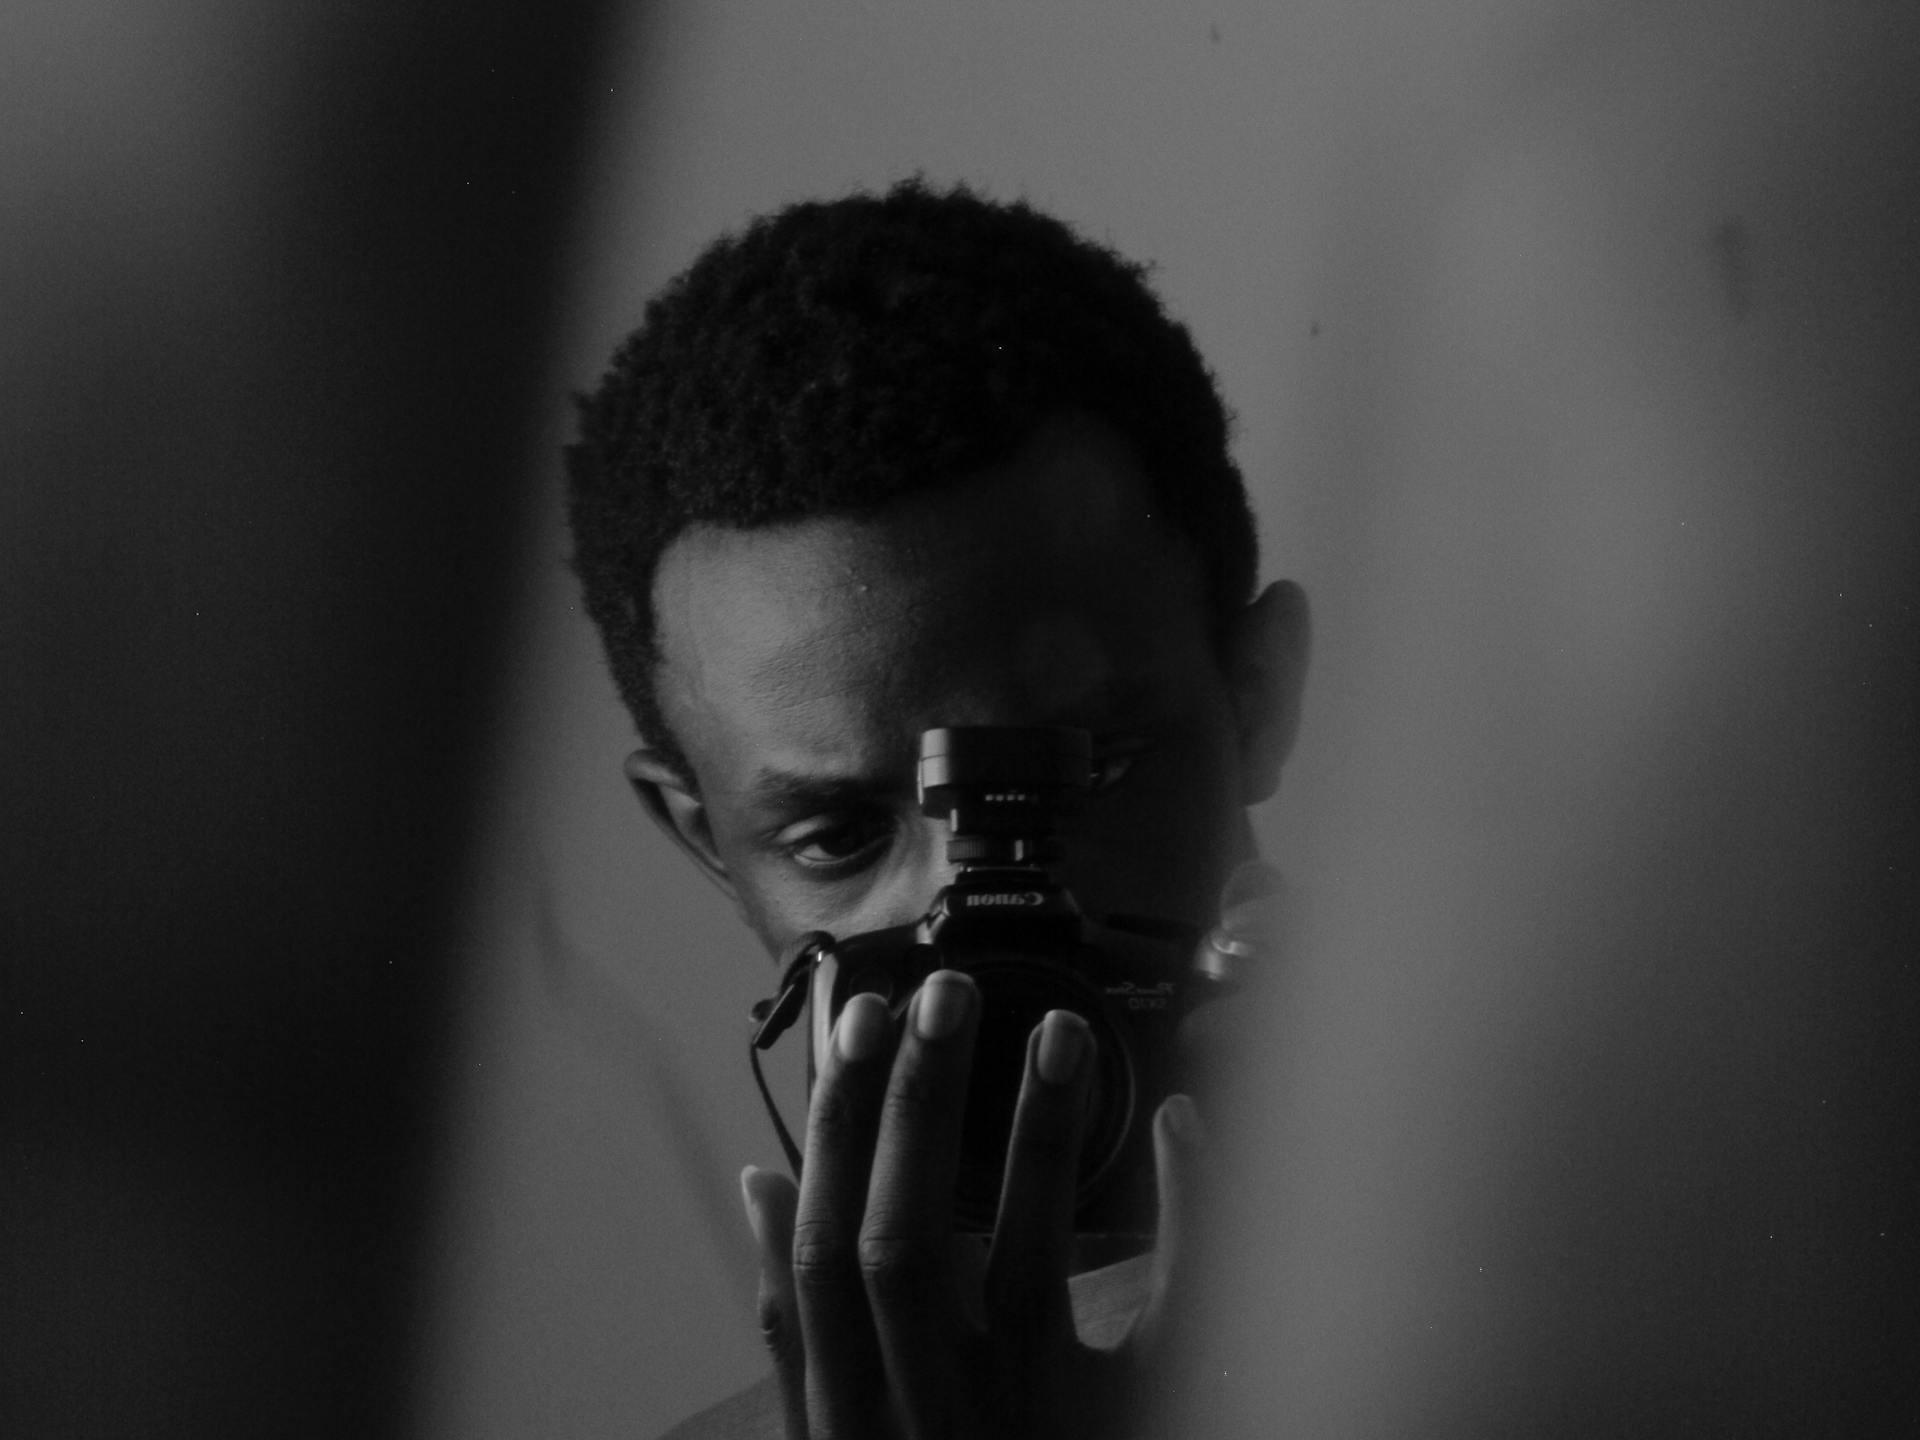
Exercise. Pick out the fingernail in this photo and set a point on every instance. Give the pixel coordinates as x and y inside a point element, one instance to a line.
<point>941,1006</point>
<point>862,1030</point>
<point>1182,1119</point>
<point>1064,1038</point>
<point>754,1220</point>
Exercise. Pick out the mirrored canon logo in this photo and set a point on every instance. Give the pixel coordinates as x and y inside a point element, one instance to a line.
<point>1007,897</point>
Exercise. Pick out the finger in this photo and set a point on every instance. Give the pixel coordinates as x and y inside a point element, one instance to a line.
<point>771,1198</point>
<point>1033,1234</point>
<point>1178,1150</point>
<point>905,1246</point>
<point>970,1278</point>
<point>846,1376</point>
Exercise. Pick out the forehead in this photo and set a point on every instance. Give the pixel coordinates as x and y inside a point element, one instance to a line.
<point>1038,590</point>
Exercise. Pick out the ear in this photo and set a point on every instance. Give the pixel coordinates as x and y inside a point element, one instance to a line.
<point>1265,659</point>
<point>678,810</point>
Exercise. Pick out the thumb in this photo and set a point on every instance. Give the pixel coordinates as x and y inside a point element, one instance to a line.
<point>771,1199</point>
<point>1179,1145</point>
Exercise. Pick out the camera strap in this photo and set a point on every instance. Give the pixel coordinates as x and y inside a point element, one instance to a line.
<point>773,1017</point>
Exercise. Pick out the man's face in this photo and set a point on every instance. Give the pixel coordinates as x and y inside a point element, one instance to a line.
<point>802,662</point>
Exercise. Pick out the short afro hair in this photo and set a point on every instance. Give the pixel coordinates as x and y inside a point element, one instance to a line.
<point>835,356</point>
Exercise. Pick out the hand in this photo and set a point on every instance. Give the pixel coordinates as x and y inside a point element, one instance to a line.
<point>876,1331</point>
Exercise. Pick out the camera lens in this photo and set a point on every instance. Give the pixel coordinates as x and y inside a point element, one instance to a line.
<point>1015,995</point>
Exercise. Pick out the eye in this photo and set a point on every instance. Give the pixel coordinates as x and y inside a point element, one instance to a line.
<point>836,844</point>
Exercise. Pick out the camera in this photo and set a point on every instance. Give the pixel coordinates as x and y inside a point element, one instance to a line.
<point>1009,922</point>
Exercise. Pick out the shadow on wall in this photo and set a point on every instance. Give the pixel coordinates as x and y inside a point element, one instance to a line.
<point>274,290</point>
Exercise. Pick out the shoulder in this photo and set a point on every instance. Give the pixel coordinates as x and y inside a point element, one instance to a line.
<point>753,1414</point>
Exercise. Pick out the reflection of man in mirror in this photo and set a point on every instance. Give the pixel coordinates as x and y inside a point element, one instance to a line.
<point>872,467</point>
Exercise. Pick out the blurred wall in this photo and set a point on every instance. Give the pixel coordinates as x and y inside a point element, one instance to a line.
<point>273,300</point>
<point>1566,341</point>
<point>1588,1108</point>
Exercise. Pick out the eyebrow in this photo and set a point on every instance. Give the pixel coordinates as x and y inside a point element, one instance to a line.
<point>796,790</point>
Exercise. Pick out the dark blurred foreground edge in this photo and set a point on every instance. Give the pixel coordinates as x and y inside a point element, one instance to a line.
<point>276,292</point>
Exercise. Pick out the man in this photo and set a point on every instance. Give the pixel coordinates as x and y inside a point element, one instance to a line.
<point>871,467</point>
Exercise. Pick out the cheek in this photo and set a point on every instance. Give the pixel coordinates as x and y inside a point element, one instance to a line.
<point>776,908</point>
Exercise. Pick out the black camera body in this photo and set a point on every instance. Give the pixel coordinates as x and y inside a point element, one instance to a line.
<point>1008,922</point>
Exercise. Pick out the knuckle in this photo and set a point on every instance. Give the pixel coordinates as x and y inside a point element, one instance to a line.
<point>776,1325</point>
<point>844,1114</point>
<point>894,1263</point>
<point>1051,1163</point>
<point>1049,1132</point>
<point>822,1255</point>
<point>834,1121</point>
<point>916,1095</point>
<point>773,1320</point>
